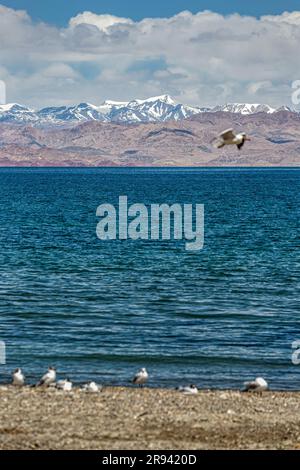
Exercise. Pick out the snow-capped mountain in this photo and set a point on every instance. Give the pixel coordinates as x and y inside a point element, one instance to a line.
<point>245,108</point>
<point>152,109</point>
<point>80,112</point>
<point>285,108</point>
<point>156,109</point>
<point>107,106</point>
<point>15,112</point>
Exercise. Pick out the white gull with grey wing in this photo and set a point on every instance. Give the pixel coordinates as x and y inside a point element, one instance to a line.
<point>229,137</point>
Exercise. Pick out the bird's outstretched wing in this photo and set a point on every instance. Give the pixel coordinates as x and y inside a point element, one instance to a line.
<point>223,138</point>
<point>217,142</point>
<point>227,135</point>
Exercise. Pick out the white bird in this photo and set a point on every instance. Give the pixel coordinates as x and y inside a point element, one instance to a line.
<point>189,390</point>
<point>141,377</point>
<point>18,378</point>
<point>257,385</point>
<point>91,387</point>
<point>229,137</point>
<point>65,385</point>
<point>48,379</point>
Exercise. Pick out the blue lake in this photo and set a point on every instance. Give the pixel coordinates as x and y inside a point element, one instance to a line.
<point>102,309</point>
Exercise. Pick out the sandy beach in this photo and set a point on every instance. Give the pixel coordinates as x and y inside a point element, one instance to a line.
<point>128,418</point>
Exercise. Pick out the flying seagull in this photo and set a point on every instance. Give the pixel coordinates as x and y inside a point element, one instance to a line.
<point>49,378</point>
<point>229,137</point>
<point>141,377</point>
<point>18,378</point>
<point>257,385</point>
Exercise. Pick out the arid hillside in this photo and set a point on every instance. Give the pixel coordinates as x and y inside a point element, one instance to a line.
<point>275,141</point>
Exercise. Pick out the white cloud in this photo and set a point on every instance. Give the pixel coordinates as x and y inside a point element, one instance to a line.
<point>102,22</point>
<point>202,59</point>
<point>286,17</point>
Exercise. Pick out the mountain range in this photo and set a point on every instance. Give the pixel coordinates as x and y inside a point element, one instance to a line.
<point>275,141</point>
<point>155,109</point>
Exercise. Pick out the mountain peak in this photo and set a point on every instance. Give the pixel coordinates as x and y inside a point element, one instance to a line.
<point>163,98</point>
<point>245,108</point>
<point>10,106</point>
<point>114,103</point>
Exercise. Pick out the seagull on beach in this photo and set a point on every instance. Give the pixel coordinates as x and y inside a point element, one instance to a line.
<point>257,385</point>
<point>141,377</point>
<point>64,385</point>
<point>189,390</point>
<point>229,137</point>
<point>18,378</point>
<point>91,387</point>
<point>48,379</point>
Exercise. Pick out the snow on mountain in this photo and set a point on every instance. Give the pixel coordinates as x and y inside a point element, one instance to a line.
<point>14,112</point>
<point>126,114</point>
<point>107,106</point>
<point>162,99</point>
<point>7,107</point>
<point>285,108</point>
<point>155,109</point>
<point>80,112</point>
<point>245,108</point>
<point>152,109</point>
<point>182,112</point>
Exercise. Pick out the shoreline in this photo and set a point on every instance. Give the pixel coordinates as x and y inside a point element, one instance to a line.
<point>77,386</point>
<point>147,418</point>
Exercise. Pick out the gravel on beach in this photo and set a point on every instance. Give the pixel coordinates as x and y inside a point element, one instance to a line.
<point>145,418</point>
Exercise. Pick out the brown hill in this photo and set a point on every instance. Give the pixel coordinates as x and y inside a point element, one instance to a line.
<point>275,141</point>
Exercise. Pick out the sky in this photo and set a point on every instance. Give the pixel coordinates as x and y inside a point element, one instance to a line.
<point>200,52</point>
<point>60,11</point>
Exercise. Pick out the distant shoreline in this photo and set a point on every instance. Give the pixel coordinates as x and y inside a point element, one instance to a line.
<point>134,418</point>
<point>142,168</point>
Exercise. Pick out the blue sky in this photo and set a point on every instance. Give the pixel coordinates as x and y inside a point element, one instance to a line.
<point>59,11</point>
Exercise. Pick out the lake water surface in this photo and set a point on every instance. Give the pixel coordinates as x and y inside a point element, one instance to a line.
<point>101,310</point>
